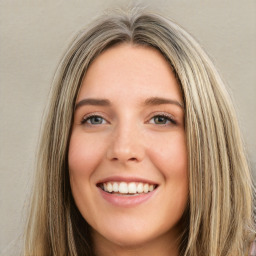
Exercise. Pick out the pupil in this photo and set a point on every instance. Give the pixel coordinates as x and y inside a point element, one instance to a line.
<point>96,120</point>
<point>160,120</point>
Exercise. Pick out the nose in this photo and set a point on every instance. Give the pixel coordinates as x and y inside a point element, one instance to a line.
<point>126,145</point>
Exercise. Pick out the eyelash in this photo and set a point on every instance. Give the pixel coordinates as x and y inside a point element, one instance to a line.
<point>167,117</point>
<point>89,117</point>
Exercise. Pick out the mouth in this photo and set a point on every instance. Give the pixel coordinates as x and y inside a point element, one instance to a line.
<point>127,188</point>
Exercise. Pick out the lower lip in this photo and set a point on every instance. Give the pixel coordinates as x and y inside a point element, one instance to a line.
<point>126,200</point>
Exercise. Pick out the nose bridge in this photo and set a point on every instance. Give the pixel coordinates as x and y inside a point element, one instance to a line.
<point>125,144</point>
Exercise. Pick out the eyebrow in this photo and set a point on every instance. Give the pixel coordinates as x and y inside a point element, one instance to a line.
<point>160,101</point>
<point>94,102</point>
<point>153,101</point>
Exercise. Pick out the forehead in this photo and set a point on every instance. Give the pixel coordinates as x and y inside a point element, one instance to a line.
<point>129,70</point>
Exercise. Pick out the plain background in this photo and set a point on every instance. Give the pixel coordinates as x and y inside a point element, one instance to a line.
<point>34,35</point>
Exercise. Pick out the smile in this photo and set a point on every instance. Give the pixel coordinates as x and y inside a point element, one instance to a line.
<point>127,192</point>
<point>127,188</point>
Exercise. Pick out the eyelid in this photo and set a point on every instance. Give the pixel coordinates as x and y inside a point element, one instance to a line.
<point>152,115</point>
<point>93,114</point>
<point>164,114</point>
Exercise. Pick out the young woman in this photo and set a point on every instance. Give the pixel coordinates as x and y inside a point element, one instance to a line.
<point>141,152</point>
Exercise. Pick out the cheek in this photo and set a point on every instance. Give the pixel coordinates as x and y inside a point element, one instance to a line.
<point>84,155</point>
<point>169,154</point>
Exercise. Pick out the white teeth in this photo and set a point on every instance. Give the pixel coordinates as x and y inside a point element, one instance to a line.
<point>109,187</point>
<point>123,188</point>
<point>145,188</point>
<point>132,188</point>
<point>140,188</point>
<point>127,188</point>
<point>115,187</point>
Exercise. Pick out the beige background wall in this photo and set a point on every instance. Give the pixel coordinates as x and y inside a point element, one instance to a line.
<point>33,37</point>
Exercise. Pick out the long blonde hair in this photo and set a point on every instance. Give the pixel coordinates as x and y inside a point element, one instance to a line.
<point>218,220</point>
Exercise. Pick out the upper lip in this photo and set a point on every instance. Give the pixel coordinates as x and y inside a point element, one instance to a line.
<point>126,179</point>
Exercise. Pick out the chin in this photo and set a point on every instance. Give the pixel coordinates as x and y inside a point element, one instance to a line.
<point>135,236</point>
<point>131,239</point>
<point>128,241</point>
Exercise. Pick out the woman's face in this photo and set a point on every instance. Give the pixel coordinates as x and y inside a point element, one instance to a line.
<point>127,154</point>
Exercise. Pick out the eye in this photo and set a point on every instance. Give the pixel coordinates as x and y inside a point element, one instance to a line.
<point>162,120</point>
<point>93,120</point>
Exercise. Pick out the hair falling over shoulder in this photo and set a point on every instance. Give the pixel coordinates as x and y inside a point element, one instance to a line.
<point>218,221</point>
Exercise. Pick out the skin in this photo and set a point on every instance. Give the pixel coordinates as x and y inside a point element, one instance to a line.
<point>129,140</point>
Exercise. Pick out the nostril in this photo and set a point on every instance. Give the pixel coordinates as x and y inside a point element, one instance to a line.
<point>129,159</point>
